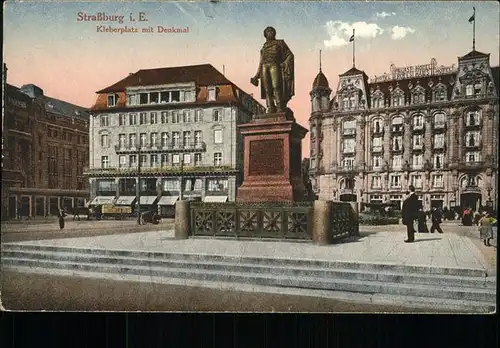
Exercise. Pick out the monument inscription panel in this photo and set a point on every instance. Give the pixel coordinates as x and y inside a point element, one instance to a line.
<point>266,157</point>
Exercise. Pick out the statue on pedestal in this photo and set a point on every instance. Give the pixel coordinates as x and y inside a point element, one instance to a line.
<point>276,72</point>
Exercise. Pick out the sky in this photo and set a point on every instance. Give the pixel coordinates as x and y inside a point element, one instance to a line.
<point>45,43</point>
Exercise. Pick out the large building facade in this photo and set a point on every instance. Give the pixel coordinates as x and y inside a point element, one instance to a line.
<point>44,152</point>
<point>431,126</point>
<point>172,130</point>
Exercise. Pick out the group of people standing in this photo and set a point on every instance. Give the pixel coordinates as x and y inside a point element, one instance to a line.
<point>412,210</point>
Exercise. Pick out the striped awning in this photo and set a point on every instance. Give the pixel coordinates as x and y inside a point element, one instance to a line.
<point>215,199</point>
<point>125,200</point>
<point>168,200</point>
<point>147,200</point>
<point>103,200</point>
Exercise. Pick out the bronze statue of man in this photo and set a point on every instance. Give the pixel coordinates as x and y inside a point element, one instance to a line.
<point>276,72</point>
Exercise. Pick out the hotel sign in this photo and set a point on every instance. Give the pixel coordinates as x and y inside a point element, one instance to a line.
<point>408,72</point>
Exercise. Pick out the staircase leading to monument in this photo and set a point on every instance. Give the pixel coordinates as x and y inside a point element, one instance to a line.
<point>457,289</point>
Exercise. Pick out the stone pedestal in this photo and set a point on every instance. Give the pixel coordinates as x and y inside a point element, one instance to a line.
<point>272,159</point>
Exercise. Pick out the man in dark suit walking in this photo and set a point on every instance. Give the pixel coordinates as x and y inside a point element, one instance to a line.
<point>411,206</point>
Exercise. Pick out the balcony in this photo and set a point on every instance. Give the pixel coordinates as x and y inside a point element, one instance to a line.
<point>379,132</point>
<point>471,126</point>
<point>418,128</point>
<point>349,151</point>
<point>378,148</point>
<point>439,147</point>
<point>439,126</point>
<point>169,147</point>
<point>473,146</point>
<point>397,149</point>
<point>418,148</point>
<point>466,165</point>
<point>399,129</point>
<point>154,171</point>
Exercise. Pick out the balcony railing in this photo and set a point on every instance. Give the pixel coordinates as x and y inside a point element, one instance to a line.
<point>377,148</point>
<point>416,148</point>
<point>191,146</point>
<point>439,125</point>
<point>471,165</point>
<point>419,127</point>
<point>397,149</point>
<point>349,131</point>
<point>348,151</point>
<point>474,145</point>
<point>145,170</point>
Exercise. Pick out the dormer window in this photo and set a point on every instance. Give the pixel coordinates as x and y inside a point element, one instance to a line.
<point>112,100</point>
<point>398,99</point>
<point>211,93</point>
<point>418,97</point>
<point>469,90</point>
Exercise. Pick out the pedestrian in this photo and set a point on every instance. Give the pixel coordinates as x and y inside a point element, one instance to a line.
<point>485,230</point>
<point>436,219</point>
<point>61,219</point>
<point>422,222</point>
<point>411,206</point>
<point>76,213</point>
<point>467,217</point>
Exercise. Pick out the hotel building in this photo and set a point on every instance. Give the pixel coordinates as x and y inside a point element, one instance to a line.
<point>431,126</point>
<point>172,130</point>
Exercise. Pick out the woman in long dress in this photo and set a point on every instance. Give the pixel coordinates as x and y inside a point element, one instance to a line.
<point>422,222</point>
<point>61,219</point>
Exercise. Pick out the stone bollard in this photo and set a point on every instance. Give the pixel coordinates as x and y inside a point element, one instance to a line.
<point>182,220</point>
<point>321,222</point>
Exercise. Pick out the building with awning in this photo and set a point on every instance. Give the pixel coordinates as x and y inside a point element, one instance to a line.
<point>148,200</point>
<point>125,200</point>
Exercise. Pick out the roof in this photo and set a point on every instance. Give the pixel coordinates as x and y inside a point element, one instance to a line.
<point>474,54</point>
<point>61,107</point>
<point>495,71</point>
<point>320,81</point>
<point>448,80</point>
<point>16,93</point>
<point>353,71</point>
<point>202,75</point>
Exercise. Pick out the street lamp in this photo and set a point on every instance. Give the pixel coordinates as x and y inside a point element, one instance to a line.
<point>182,176</point>
<point>138,187</point>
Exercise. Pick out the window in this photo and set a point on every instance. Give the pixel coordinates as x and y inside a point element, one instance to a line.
<point>397,143</point>
<point>418,122</point>
<point>164,159</point>
<point>104,162</point>
<point>438,161</point>
<point>397,161</point>
<point>198,116</point>
<point>122,161</point>
<point>376,182</point>
<point>175,117</point>
<point>211,93</point>
<point>217,116</point>
<point>377,162</point>
<point>186,138</point>
<point>164,117</point>
<point>144,160</point>
<point>397,124</point>
<point>440,94</point>
<point>132,160</point>
<point>104,140</point>
<point>164,97</point>
<point>143,118</point>
<point>418,161</point>
<point>112,99</point>
<point>104,120</point>
<point>419,98</point>
<point>122,120</point>
<point>121,140</point>
<point>217,184</point>
<point>218,136</point>
<point>439,120</point>
<point>437,180</point>
<point>154,160</point>
<point>175,96</point>
<point>472,157</point>
<point>176,159</point>
<point>176,138</point>
<point>472,139</point>
<point>438,141</point>
<point>153,139</point>
<point>198,138</point>
<point>349,127</point>
<point>377,126</point>
<point>132,118</point>
<point>218,159</point>
<point>132,140</point>
<point>187,116</point>
<point>398,99</point>
<point>395,181</point>
<point>197,159</point>
<point>153,118</point>
<point>143,98</point>
<point>416,180</point>
<point>378,102</point>
<point>187,158</point>
<point>348,162</point>
<point>143,140</point>
<point>473,118</point>
<point>171,185</point>
<point>418,141</point>
<point>153,98</point>
<point>478,88</point>
<point>349,145</point>
<point>164,139</point>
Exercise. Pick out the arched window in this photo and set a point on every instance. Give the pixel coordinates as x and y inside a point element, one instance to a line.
<point>397,124</point>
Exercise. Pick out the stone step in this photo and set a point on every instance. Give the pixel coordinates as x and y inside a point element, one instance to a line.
<point>248,267</point>
<point>325,264</point>
<point>374,287</point>
<point>409,302</point>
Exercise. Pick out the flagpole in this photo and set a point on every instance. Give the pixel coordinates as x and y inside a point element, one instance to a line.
<point>353,49</point>
<point>474,31</point>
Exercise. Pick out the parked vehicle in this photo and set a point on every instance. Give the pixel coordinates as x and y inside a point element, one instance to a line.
<point>151,216</point>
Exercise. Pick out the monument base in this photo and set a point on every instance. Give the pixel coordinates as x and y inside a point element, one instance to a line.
<point>272,159</point>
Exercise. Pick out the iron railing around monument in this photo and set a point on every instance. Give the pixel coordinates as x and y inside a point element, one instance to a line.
<point>283,220</point>
<point>345,222</point>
